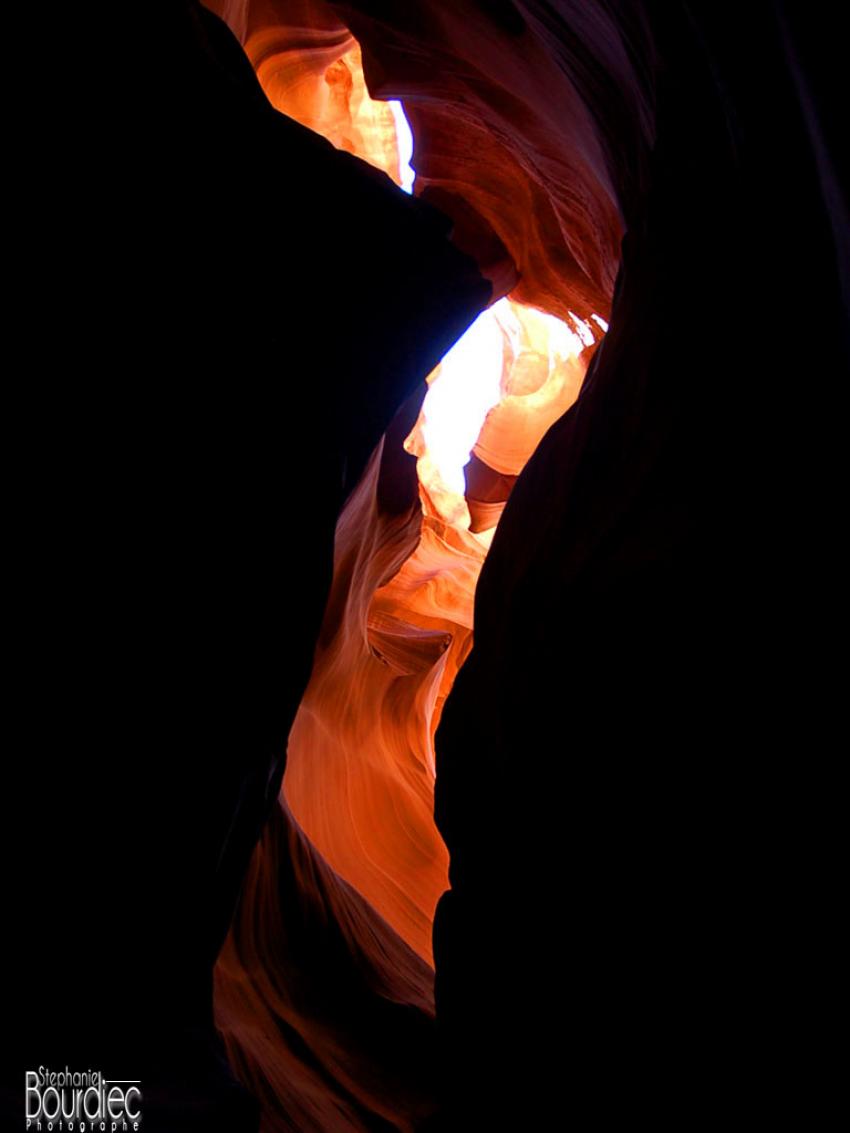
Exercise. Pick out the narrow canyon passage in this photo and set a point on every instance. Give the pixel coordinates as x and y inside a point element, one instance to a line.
<point>360,761</point>
<point>423,606</point>
<point>582,758</point>
<point>358,793</point>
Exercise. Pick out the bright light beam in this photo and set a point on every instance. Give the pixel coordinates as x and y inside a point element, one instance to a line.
<point>458,400</point>
<point>404,141</point>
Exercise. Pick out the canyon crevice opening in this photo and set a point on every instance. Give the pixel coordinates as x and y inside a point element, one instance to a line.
<point>421,490</point>
<point>358,792</point>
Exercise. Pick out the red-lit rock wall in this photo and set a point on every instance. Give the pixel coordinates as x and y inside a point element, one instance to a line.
<point>602,865</point>
<point>213,317</point>
<point>537,132</point>
<point>360,768</point>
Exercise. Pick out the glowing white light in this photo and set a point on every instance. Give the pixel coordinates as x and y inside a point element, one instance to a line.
<point>465,390</point>
<point>404,141</point>
<point>469,381</point>
<point>554,335</point>
<point>601,323</point>
<point>583,330</point>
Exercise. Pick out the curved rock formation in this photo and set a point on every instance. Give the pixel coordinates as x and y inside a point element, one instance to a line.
<point>633,775</point>
<point>571,757</point>
<point>635,820</point>
<point>529,116</point>
<point>176,513</point>
<point>327,1016</point>
<point>360,764</point>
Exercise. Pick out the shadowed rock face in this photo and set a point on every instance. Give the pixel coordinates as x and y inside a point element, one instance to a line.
<point>630,772</point>
<point>635,861</point>
<point>532,118</point>
<point>230,382</point>
<point>602,764</point>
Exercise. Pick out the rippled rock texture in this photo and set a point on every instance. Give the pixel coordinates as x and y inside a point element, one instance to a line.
<point>631,863</point>
<point>602,822</point>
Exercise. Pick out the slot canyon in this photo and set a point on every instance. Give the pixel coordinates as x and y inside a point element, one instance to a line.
<point>422,494</point>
